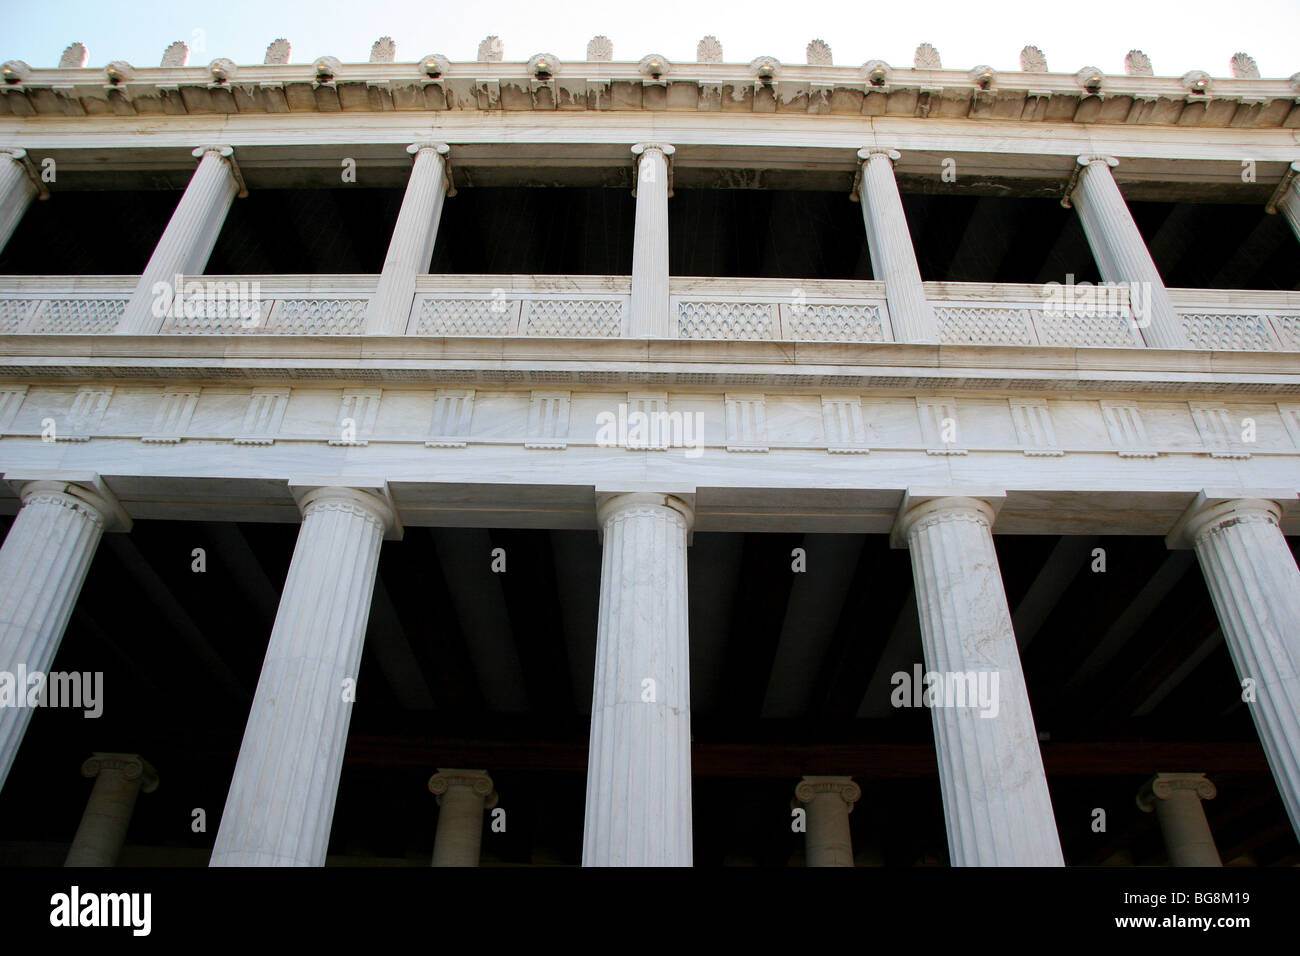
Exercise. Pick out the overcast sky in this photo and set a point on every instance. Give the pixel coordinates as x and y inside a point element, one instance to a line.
<point>1191,34</point>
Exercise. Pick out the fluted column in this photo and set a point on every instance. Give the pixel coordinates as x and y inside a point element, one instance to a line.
<point>1289,203</point>
<point>462,795</point>
<point>893,259</point>
<point>119,778</point>
<point>281,800</point>
<point>829,801</point>
<point>1122,254</point>
<point>411,245</point>
<point>648,314</point>
<point>43,564</point>
<point>995,796</point>
<point>16,191</point>
<point>1176,799</point>
<point>1255,586</point>
<point>639,758</point>
<point>187,241</point>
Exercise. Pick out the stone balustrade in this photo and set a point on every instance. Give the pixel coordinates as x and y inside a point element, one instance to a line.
<point>707,309</point>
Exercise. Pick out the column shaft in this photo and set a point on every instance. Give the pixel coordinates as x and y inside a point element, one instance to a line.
<point>1122,254</point>
<point>463,795</point>
<point>995,796</point>
<point>828,840</point>
<point>1255,586</point>
<point>16,192</point>
<point>102,832</point>
<point>639,762</point>
<point>893,259</point>
<point>188,239</point>
<point>648,314</point>
<point>411,245</point>
<point>281,800</point>
<point>43,564</point>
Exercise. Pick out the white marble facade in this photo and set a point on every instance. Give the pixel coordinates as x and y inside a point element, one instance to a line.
<point>940,413</point>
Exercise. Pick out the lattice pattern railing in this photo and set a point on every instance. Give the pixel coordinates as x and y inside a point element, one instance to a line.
<point>701,309</point>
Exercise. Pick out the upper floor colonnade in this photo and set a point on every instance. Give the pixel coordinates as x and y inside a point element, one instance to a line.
<point>1118,248</point>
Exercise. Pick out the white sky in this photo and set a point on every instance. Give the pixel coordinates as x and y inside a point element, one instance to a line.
<point>1178,36</point>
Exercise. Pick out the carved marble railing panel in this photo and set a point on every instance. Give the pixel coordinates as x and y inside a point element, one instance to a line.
<point>1087,329</point>
<point>711,308</point>
<point>82,315</point>
<point>575,318</point>
<point>219,317</point>
<point>1230,331</point>
<point>725,319</point>
<point>1287,328</point>
<point>15,314</point>
<point>465,315</point>
<point>835,322</point>
<point>319,316</point>
<point>975,325</point>
<point>981,313</point>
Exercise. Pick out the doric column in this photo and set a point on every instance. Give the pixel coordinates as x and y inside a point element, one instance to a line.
<point>1255,587</point>
<point>16,191</point>
<point>639,758</point>
<point>281,800</point>
<point>462,795</point>
<point>648,315</point>
<point>1289,203</point>
<point>43,564</point>
<point>1121,253</point>
<point>829,801</point>
<point>995,796</point>
<point>411,245</point>
<point>188,239</point>
<point>893,259</point>
<point>1176,799</point>
<point>119,778</point>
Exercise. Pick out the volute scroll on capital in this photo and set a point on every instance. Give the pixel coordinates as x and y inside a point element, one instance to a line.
<point>19,155</point>
<point>130,766</point>
<point>228,154</point>
<point>639,153</point>
<point>864,158</point>
<point>1164,785</point>
<point>476,781</point>
<point>443,152</point>
<point>809,787</point>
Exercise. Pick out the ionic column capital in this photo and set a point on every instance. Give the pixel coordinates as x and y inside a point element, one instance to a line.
<point>476,781</point>
<point>130,766</point>
<point>641,150</point>
<point>18,156</point>
<point>1164,785</point>
<point>866,153</point>
<point>1093,159</point>
<point>442,149</point>
<point>843,787</point>
<point>430,147</point>
<point>645,503</point>
<point>226,153</point>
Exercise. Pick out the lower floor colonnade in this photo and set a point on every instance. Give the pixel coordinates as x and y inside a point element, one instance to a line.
<point>638,807</point>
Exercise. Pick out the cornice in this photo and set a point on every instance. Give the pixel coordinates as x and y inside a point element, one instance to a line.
<point>435,83</point>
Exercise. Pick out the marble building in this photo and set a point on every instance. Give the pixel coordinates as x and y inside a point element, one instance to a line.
<point>526,461</point>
